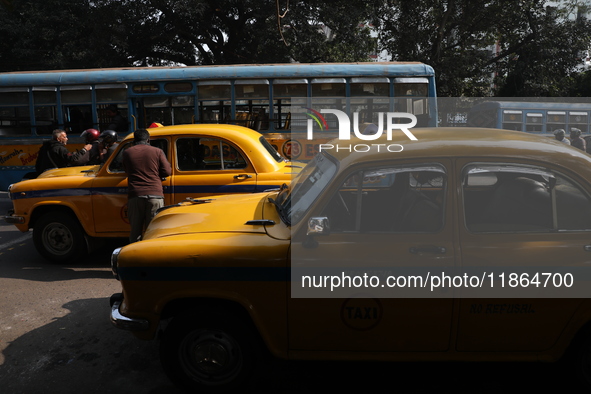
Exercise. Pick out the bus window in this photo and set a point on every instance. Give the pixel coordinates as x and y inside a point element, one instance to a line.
<point>77,118</point>
<point>183,109</point>
<point>369,97</point>
<point>146,88</point>
<point>168,110</point>
<point>214,101</point>
<point>534,122</point>
<point>578,120</point>
<point>329,93</point>
<point>45,110</point>
<point>374,87</point>
<point>512,120</point>
<point>76,108</point>
<point>252,103</point>
<point>111,94</point>
<point>178,87</point>
<point>105,114</point>
<point>14,112</point>
<point>410,95</point>
<point>283,91</point>
<point>555,120</point>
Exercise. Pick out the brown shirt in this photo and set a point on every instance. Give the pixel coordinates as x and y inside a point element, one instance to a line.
<point>145,166</point>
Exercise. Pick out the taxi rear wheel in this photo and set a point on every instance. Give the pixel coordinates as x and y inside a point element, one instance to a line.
<point>59,237</point>
<point>210,353</point>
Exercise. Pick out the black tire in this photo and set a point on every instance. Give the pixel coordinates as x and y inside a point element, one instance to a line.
<point>59,237</point>
<point>209,353</point>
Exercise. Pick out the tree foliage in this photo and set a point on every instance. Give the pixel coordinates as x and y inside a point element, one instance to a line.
<point>55,34</point>
<point>525,47</point>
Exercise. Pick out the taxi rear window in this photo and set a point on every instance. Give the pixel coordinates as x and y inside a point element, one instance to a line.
<point>271,150</point>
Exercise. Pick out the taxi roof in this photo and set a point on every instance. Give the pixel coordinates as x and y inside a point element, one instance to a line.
<point>454,142</point>
<point>221,130</point>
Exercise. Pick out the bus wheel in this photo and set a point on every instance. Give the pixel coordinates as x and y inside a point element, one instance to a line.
<point>59,237</point>
<point>208,354</point>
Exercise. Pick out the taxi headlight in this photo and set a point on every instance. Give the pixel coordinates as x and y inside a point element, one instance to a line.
<point>114,259</point>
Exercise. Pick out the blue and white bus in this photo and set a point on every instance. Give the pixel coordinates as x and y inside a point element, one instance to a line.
<point>533,117</point>
<point>33,104</point>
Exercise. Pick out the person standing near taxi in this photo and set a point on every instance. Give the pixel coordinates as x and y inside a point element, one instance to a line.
<point>145,165</point>
<point>560,136</point>
<point>54,154</point>
<point>576,140</point>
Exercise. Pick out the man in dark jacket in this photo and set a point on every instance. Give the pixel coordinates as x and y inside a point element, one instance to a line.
<point>145,165</point>
<point>576,140</point>
<point>54,154</point>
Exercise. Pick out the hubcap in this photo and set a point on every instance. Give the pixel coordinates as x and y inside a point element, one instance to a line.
<point>57,238</point>
<point>211,357</point>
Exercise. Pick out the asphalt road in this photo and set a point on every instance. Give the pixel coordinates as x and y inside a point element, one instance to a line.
<point>56,337</point>
<point>55,333</point>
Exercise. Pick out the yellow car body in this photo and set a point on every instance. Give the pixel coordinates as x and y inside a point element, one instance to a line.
<point>235,255</point>
<point>205,160</point>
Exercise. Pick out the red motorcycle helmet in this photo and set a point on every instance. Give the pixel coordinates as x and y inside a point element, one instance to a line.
<point>90,135</point>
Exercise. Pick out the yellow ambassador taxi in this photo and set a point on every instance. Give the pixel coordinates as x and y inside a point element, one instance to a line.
<point>316,270</point>
<point>69,208</point>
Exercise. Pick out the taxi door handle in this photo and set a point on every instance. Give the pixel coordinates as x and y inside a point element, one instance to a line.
<point>427,249</point>
<point>242,176</point>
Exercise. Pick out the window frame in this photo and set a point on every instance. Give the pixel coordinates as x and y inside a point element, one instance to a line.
<point>553,177</point>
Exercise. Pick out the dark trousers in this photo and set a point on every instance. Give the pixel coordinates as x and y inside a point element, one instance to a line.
<point>140,210</point>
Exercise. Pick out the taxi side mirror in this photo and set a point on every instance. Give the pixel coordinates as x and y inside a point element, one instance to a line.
<point>318,226</point>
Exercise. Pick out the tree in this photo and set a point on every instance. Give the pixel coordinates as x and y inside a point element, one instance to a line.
<point>58,34</point>
<point>52,34</point>
<point>337,31</point>
<point>537,44</point>
<point>540,59</point>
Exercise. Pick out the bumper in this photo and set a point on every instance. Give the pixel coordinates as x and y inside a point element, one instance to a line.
<point>124,322</point>
<point>13,219</point>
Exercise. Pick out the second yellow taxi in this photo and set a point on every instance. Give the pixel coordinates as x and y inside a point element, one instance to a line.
<point>68,208</point>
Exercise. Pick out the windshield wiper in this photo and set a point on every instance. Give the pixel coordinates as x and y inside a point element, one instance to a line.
<point>197,200</point>
<point>279,210</point>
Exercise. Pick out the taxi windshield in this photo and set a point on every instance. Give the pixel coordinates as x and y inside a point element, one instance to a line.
<point>307,186</point>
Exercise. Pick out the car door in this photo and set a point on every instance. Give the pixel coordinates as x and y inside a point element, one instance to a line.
<point>386,221</point>
<point>109,192</point>
<point>207,166</point>
<point>519,218</point>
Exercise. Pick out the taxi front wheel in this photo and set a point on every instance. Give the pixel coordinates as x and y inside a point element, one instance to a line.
<point>208,353</point>
<point>59,237</point>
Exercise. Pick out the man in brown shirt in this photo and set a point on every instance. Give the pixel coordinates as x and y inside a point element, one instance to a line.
<point>145,165</point>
